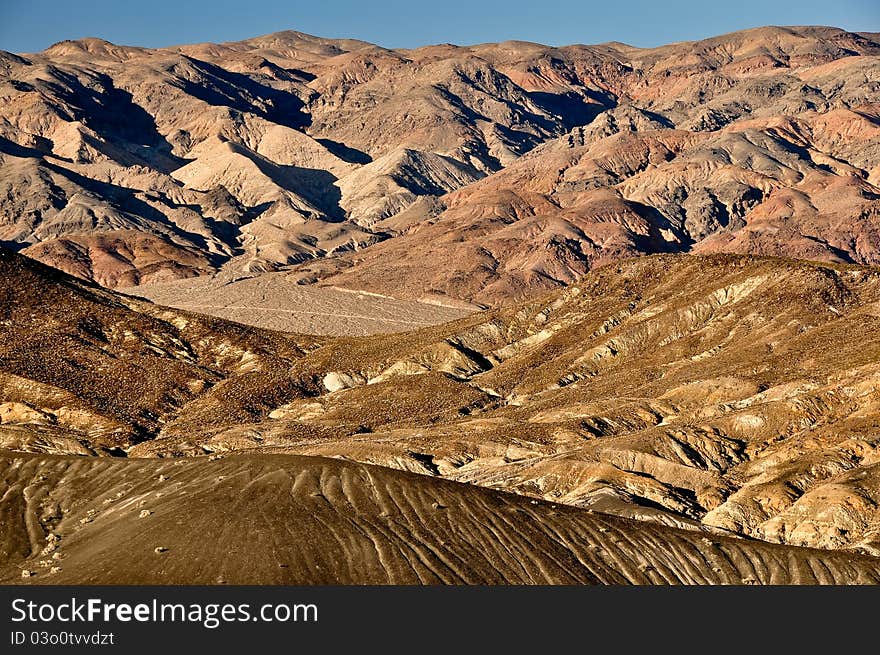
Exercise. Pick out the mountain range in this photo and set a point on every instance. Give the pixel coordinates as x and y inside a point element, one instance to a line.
<point>446,173</point>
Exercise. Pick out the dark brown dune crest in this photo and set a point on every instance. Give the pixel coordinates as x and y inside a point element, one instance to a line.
<point>307,520</point>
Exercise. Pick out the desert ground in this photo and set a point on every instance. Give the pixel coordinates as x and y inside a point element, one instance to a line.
<point>277,302</point>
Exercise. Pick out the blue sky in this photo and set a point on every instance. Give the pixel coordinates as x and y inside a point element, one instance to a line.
<point>30,25</point>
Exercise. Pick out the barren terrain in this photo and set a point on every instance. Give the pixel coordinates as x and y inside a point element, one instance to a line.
<point>277,302</point>
<point>309,520</point>
<point>306,310</point>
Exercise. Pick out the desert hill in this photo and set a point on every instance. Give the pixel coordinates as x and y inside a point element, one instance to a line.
<point>502,313</point>
<point>85,370</point>
<point>722,393</point>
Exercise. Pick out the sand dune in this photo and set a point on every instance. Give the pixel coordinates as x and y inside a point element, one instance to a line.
<point>302,520</point>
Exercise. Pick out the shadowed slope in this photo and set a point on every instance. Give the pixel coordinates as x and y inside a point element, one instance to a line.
<point>80,364</point>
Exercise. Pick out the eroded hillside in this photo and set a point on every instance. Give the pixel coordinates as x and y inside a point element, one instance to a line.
<point>720,393</point>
